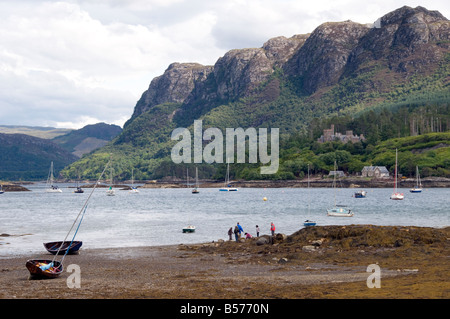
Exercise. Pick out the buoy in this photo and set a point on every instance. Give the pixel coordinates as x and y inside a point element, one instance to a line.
<point>265,198</point>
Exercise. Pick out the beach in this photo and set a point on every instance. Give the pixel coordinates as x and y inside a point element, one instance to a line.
<point>325,262</point>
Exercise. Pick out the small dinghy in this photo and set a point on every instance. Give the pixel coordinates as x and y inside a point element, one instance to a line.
<point>54,246</point>
<point>309,223</point>
<point>43,268</point>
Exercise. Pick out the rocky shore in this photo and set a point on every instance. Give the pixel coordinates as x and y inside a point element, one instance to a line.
<point>325,262</point>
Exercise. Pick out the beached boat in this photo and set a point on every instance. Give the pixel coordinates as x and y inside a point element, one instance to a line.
<point>50,188</point>
<point>307,222</point>
<point>360,194</point>
<point>418,187</point>
<point>44,268</point>
<point>1,189</point>
<point>338,210</point>
<point>189,229</point>
<point>227,186</point>
<point>396,195</point>
<point>59,247</point>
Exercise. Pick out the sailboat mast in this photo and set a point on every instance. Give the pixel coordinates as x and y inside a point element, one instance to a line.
<point>395,177</point>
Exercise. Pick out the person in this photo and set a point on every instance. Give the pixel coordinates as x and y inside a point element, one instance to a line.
<point>230,232</point>
<point>272,228</point>
<point>236,233</point>
<point>241,230</point>
<point>257,231</point>
<point>247,236</point>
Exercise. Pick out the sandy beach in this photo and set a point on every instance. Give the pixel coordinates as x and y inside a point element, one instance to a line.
<point>324,262</point>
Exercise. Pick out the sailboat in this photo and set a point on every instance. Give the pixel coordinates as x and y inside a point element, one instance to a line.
<point>1,189</point>
<point>418,187</point>
<point>338,210</point>
<point>50,188</point>
<point>195,190</point>
<point>110,191</point>
<point>308,222</point>
<point>133,189</point>
<point>46,268</point>
<point>396,195</point>
<point>227,186</point>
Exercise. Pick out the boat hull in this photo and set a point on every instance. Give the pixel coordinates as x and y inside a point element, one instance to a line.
<point>189,229</point>
<point>415,190</point>
<point>339,212</point>
<point>228,189</point>
<point>53,190</point>
<point>309,223</point>
<point>36,272</point>
<point>361,194</point>
<point>52,247</point>
<point>397,196</point>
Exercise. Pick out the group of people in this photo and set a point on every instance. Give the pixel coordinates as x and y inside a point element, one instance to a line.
<point>238,230</point>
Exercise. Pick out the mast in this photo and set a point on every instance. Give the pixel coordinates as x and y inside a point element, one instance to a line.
<point>395,177</point>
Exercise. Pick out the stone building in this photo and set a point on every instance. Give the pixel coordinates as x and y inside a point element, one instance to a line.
<point>375,171</point>
<point>330,135</point>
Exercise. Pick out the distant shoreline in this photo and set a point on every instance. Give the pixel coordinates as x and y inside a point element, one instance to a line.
<point>317,182</point>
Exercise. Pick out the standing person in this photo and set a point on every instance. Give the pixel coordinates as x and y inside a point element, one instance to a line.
<point>236,233</point>
<point>230,232</point>
<point>272,228</point>
<point>241,230</point>
<point>257,231</point>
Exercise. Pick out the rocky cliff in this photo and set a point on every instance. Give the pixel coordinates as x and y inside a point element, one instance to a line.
<point>408,41</point>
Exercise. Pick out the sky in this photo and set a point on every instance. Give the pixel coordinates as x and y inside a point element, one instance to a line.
<point>70,63</point>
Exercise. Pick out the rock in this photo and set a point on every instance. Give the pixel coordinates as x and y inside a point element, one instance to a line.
<point>309,248</point>
<point>280,237</point>
<point>317,242</point>
<point>263,240</point>
<point>283,260</point>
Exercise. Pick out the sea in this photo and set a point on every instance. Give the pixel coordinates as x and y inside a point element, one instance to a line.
<point>156,217</point>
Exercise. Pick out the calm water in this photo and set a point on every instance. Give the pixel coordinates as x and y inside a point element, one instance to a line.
<point>157,216</point>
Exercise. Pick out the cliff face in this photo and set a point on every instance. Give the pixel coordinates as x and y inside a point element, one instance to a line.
<point>407,41</point>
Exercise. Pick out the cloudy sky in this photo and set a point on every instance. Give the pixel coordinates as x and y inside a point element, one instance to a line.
<point>72,63</point>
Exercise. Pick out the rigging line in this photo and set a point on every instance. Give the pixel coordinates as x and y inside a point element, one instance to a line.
<point>85,204</point>
<point>73,238</point>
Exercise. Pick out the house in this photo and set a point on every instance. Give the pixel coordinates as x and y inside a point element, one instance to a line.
<point>375,171</point>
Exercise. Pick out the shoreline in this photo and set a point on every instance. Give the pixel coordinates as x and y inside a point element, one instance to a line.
<point>317,182</point>
<point>322,262</point>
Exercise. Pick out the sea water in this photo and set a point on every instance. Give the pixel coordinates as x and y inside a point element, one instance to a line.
<point>155,217</point>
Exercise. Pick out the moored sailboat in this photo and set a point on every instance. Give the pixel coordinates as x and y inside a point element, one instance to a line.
<point>338,210</point>
<point>50,187</point>
<point>418,187</point>
<point>396,195</point>
<point>227,186</point>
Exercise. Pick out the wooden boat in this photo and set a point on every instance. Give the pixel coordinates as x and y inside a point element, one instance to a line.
<point>189,229</point>
<point>44,268</point>
<point>52,247</point>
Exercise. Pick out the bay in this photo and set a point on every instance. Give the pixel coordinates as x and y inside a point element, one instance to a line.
<point>155,217</point>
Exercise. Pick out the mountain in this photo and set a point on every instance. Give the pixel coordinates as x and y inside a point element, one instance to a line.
<point>341,68</point>
<point>36,131</point>
<point>88,138</point>
<point>25,157</point>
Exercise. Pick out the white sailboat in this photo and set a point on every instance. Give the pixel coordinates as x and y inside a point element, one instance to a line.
<point>396,195</point>
<point>110,191</point>
<point>133,189</point>
<point>308,222</point>
<point>195,190</point>
<point>338,210</point>
<point>50,188</point>
<point>227,186</point>
<point>418,187</point>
